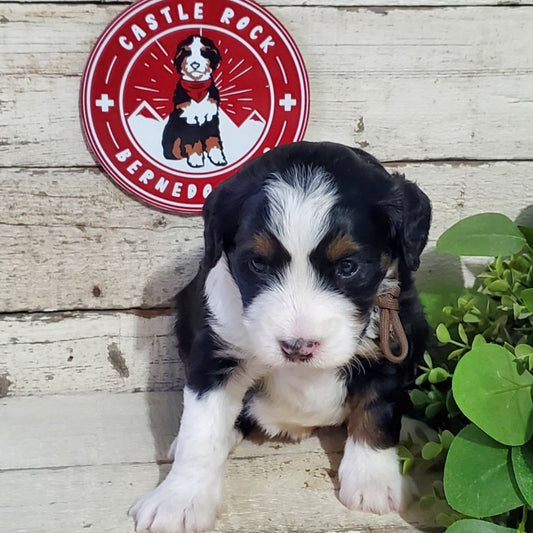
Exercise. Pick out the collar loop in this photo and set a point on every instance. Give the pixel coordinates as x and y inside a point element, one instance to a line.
<point>390,325</point>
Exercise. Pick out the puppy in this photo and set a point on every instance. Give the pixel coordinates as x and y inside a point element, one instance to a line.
<point>192,130</point>
<point>280,328</point>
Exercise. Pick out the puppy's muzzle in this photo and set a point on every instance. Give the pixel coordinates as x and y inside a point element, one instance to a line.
<point>298,349</point>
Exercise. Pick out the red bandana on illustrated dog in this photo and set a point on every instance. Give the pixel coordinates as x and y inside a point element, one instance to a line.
<point>197,90</point>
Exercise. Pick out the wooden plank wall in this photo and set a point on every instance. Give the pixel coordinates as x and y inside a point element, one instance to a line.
<point>441,90</point>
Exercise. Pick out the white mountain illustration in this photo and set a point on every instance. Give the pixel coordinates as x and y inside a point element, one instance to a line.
<point>147,111</point>
<point>147,128</point>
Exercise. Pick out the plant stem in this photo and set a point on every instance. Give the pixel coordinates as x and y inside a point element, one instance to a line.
<point>522,525</point>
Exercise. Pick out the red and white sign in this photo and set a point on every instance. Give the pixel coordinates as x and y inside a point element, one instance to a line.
<point>176,96</point>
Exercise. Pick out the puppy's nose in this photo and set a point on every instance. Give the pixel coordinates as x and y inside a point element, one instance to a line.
<point>195,65</point>
<point>298,349</point>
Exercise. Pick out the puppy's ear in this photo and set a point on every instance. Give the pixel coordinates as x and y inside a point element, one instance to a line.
<point>213,230</point>
<point>409,213</point>
<point>221,214</point>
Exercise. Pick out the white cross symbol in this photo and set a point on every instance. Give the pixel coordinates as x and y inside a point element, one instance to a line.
<point>287,102</point>
<point>105,103</point>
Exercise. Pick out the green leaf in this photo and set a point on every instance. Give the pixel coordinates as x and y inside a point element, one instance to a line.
<point>462,333</point>
<point>471,318</point>
<point>443,334</point>
<point>419,398</point>
<point>483,234</point>
<point>527,296</point>
<point>456,353</point>
<point>478,480</point>
<point>420,380</point>
<point>500,285</point>
<point>436,300</point>
<point>446,519</point>
<point>523,350</point>
<point>477,526</point>
<point>433,409</point>
<point>491,393</point>
<point>523,470</point>
<point>446,438</point>
<point>430,450</point>
<point>437,375</point>
<point>479,340</point>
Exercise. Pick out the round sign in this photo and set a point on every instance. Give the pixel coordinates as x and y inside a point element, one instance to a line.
<point>176,96</point>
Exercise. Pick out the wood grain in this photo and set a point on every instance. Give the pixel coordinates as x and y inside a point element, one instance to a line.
<point>71,240</point>
<point>407,84</point>
<point>55,353</point>
<point>76,463</point>
<point>353,4</point>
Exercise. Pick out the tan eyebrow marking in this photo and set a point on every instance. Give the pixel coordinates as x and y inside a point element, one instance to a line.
<point>263,245</point>
<point>341,247</point>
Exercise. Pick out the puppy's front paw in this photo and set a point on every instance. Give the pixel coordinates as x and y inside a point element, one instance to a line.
<point>370,480</point>
<point>178,506</point>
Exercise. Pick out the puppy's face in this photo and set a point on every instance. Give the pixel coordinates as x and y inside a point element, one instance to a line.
<point>306,257</point>
<point>196,58</point>
<point>306,272</point>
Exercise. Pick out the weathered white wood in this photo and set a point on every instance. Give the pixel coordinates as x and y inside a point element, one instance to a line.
<point>76,463</point>
<point>353,4</point>
<point>407,84</point>
<point>61,225</point>
<point>70,239</point>
<point>263,495</point>
<point>68,352</point>
<point>114,428</point>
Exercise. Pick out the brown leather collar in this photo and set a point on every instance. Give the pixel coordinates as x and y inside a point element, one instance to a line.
<point>390,324</point>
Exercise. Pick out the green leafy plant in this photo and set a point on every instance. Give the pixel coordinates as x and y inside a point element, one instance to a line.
<point>475,386</point>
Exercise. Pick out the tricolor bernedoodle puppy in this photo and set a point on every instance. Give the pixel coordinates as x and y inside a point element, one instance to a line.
<point>192,130</point>
<point>286,325</point>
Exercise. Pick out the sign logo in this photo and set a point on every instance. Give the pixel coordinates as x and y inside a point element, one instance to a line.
<point>176,96</point>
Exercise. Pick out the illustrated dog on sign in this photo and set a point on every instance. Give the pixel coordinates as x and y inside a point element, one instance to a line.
<point>192,131</point>
<point>303,314</point>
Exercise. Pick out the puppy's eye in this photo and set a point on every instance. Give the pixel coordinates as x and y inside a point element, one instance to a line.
<point>346,268</point>
<point>259,266</point>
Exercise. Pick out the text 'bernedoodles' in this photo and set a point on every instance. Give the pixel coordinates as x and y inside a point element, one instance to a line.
<point>292,324</point>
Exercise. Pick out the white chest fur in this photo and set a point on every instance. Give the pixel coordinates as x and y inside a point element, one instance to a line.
<point>294,400</point>
<point>199,112</point>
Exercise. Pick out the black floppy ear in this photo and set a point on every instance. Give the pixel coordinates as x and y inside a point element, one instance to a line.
<point>222,215</point>
<point>214,229</point>
<point>409,214</point>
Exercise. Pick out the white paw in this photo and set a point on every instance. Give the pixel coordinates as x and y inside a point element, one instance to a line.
<point>370,480</point>
<point>196,160</point>
<point>217,157</point>
<point>178,506</point>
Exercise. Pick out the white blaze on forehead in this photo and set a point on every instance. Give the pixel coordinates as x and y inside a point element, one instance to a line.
<point>297,304</point>
<point>300,203</point>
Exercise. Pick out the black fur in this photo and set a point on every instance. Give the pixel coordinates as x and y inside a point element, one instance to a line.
<point>385,213</point>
